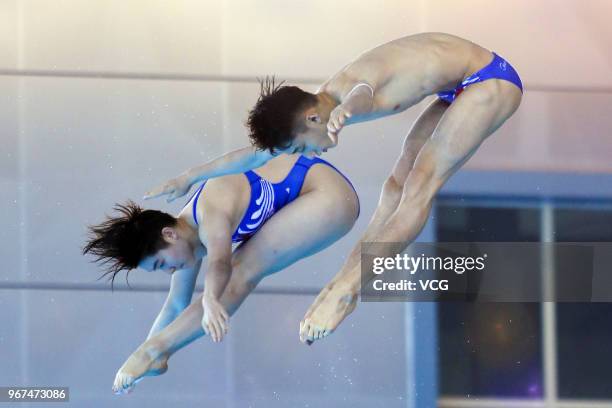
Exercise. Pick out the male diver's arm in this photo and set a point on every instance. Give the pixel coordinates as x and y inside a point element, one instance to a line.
<point>234,162</point>
<point>358,101</point>
<point>179,297</point>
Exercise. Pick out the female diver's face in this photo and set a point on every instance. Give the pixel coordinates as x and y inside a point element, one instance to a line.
<point>177,255</point>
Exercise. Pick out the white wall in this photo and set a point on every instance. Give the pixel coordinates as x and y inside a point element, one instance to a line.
<point>562,47</point>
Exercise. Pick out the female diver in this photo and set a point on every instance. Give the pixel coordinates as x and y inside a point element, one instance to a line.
<point>291,208</point>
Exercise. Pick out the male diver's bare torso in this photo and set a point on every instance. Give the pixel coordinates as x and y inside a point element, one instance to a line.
<point>405,71</point>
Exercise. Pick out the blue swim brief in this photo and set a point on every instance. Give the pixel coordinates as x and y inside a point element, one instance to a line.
<point>499,68</point>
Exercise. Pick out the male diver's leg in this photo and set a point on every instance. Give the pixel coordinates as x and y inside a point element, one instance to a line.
<point>391,192</point>
<point>474,115</point>
<point>468,121</point>
<point>419,133</point>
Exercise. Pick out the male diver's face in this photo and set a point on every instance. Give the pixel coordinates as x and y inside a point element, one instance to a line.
<point>311,138</point>
<point>179,254</point>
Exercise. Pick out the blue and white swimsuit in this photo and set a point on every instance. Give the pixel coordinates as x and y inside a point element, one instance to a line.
<point>267,198</point>
<point>498,68</point>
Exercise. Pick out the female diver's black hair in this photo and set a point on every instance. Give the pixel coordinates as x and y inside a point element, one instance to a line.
<point>122,241</point>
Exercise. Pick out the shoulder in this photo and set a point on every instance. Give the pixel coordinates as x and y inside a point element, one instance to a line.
<point>221,199</point>
<point>220,192</point>
<point>338,85</point>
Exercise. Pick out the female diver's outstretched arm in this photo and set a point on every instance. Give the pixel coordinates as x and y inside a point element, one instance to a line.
<point>179,297</point>
<point>234,162</point>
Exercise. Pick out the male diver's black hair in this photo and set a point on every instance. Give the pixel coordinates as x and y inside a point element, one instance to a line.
<point>122,241</point>
<point>272,120</point>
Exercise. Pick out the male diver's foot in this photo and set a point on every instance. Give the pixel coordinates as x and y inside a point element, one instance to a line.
<point>142,363</point>
<point>318,300</point>
<point>321,320</point>
<point>321,297</point>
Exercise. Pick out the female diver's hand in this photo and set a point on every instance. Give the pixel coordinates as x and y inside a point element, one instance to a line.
<point>216,320</point>
<point>175,188</point>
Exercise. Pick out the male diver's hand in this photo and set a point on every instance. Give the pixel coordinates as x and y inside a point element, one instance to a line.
<point>175,188</point>
<point>216,320</point>
<point>337,119</point>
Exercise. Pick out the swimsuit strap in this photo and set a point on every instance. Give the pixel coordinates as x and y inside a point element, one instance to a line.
<point>194,206</point>
<point>296,176</point>
<point>252,176</point>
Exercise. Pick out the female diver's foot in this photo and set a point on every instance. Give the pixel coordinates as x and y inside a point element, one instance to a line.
<point>140,364</point>
<point>338,302</point>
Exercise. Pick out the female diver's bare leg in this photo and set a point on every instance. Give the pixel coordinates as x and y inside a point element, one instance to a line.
<point>273,248</point>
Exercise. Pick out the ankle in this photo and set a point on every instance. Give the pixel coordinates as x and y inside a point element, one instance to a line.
<point>347,284</point>
<point>153,349</point>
